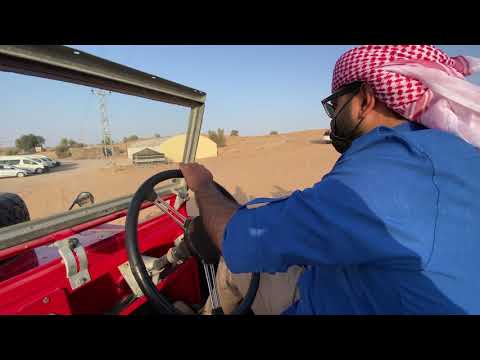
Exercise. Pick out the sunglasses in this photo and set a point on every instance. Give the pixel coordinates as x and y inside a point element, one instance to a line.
<point>329,102</point>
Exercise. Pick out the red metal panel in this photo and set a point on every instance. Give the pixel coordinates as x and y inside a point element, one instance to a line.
<point>181,285</point>
<point>54,303</point>
<point>24,293</point>
<point>62,234</point>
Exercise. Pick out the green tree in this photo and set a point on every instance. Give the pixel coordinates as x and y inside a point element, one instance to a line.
<point>29,142</point>
<point>70,143</point>
<point>157,135</point>
<point>130,138</point>
<point>217,137</point>
<point>234,133</point>
<point>63,149</point>
<point>273,133</point>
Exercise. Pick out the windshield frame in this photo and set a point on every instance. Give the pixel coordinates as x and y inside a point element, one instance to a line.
<point>70,65</point>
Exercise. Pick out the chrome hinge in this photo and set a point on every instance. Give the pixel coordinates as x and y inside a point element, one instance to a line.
<point>127,274</point>
<point>67,249</point>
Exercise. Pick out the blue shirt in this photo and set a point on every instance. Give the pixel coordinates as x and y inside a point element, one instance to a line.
<point>394,228</point>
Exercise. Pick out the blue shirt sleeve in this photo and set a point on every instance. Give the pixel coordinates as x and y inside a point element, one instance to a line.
<point>359,213</point>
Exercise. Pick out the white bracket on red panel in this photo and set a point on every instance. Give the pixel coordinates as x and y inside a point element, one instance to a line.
<point>67,249</point>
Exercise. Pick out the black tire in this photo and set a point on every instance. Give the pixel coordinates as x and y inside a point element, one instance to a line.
<point>20,174</point>
<point>39,171</point>
<point>13,210</point>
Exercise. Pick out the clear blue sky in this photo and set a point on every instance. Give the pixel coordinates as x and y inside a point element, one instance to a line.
<point>254,89</point>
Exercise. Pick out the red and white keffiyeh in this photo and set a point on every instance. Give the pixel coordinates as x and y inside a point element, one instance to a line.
<point>420,82</point>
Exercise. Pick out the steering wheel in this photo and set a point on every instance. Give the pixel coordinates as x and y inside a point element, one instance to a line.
<point>160,303</point>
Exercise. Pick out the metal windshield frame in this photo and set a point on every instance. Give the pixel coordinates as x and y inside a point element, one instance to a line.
<point>78,67</point>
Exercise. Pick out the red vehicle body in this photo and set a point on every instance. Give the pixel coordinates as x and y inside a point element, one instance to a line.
<point>33,280</point>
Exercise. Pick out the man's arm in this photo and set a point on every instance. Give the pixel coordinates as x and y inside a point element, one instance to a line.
<point>360,213</point>
<point>216,211</point>
<point>377,206</point>
<point>215,208</point>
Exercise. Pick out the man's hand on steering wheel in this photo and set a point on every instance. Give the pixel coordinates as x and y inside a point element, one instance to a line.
<point>215,208</point>
<point>197,176</point>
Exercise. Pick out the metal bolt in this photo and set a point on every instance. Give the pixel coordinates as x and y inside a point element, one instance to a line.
<point>46,300</point>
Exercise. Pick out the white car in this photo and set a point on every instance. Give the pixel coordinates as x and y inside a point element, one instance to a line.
<point>24,162</point>
<point>45,163</point>
<point>326,137</point>
<point>12,171</point>
<point>29,171</point>
<point>49,162</point>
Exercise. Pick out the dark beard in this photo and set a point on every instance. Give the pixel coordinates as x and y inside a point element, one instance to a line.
<point>341,134</point>
<point>340,144</point>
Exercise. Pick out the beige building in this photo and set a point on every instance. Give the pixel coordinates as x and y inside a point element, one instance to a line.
<point>173,147</point>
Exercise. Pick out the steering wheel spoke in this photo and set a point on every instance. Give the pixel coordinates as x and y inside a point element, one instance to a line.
<point>166,208</point>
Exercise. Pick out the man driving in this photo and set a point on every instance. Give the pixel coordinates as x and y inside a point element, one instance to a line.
<point>394,227</point>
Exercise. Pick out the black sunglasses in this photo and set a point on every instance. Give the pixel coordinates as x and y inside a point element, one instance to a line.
<point>328,104</point>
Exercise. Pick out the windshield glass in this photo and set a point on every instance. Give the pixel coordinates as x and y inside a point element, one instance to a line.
<point>106,143</point>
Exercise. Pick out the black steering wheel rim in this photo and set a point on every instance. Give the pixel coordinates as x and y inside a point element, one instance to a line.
<point>137,266</point>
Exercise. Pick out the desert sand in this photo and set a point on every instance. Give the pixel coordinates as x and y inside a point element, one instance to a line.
<point>248,167</point>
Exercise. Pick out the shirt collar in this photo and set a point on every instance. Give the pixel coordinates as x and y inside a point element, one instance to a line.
<point>404,127</point>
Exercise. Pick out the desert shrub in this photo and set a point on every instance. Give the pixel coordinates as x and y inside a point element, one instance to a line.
<point>70,143</point>
<point>12,151</point>
<point>130,138</point>
<point>217,137</point>
<point>62,151</point>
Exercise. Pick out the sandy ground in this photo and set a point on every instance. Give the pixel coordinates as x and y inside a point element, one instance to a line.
<point>248,167</point>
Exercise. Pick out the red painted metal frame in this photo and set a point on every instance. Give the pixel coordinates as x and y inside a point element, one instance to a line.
<point>62,234</point>
<point>45,289</point>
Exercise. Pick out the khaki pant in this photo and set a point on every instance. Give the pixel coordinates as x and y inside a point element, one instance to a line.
<point>276,292</point>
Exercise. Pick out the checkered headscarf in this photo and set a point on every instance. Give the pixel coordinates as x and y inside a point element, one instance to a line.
<point>420,82</point>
